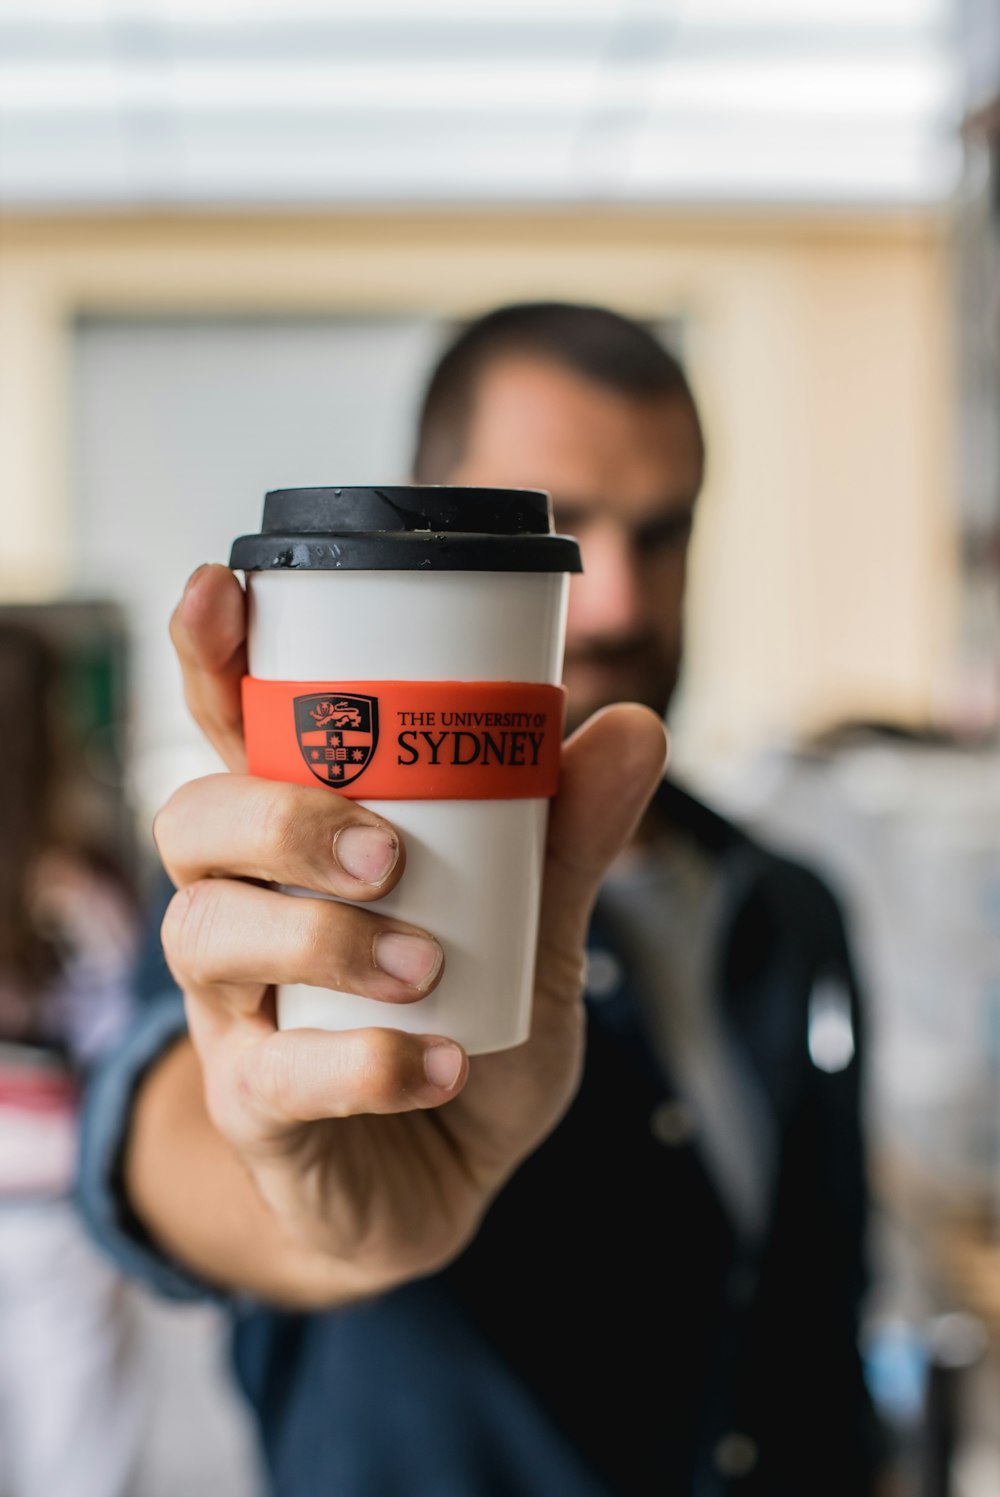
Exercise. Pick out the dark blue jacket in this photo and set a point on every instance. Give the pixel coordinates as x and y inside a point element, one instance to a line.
<point>608,1331</point>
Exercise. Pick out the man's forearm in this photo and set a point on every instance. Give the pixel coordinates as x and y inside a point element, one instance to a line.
<point>199,1205</point>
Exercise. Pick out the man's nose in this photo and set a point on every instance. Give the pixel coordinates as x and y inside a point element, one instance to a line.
<point>607,597</point>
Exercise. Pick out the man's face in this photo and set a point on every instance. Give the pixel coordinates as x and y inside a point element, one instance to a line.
<point>624,473</point>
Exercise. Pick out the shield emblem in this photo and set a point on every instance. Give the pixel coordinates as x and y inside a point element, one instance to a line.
<point>337,734</point>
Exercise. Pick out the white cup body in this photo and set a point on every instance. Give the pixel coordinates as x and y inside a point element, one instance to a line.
<point>473,867</point>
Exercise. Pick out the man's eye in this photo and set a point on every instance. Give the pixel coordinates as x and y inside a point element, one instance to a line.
<point>662,534</point>
<point>569,523</point>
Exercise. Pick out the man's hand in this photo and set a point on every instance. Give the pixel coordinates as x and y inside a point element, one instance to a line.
<point>375,1152</point>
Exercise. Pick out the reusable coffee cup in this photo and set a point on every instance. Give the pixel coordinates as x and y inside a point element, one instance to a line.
<point>405,649</point>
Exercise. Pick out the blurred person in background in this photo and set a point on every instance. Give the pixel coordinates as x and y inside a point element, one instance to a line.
<point>499,1277</point>
<point>69,1417</point>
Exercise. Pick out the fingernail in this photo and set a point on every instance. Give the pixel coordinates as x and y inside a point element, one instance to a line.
<point>367,853</point>
<point>412,959</point>
<point>443,1065</point>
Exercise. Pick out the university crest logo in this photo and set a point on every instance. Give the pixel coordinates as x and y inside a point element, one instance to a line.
<point>337,735</point>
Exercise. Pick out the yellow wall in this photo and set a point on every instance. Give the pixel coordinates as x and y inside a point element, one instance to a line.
<point>824,575</point>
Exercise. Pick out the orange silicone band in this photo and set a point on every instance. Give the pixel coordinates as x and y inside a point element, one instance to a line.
<point>407,740</point>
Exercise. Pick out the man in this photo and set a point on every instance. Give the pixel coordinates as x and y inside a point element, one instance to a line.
<point>498,1278</point>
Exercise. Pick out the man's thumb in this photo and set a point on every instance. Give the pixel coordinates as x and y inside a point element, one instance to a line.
<point>610,768</point>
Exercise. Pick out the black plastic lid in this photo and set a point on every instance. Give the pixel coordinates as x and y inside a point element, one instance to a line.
<point>406,528</point>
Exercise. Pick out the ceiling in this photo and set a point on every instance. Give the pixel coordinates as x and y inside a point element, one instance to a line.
<point>377,102</point>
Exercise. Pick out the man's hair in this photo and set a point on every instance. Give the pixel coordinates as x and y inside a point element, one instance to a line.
<point>602,345</point>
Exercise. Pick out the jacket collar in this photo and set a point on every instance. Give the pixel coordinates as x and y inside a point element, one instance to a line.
<point>704,826</point>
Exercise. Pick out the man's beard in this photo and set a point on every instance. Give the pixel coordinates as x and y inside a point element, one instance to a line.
<point>600,674</point>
